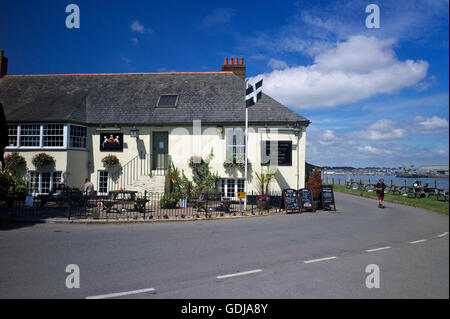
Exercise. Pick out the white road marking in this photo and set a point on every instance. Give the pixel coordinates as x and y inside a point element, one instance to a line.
<point>119,294</point>
<point>239,274</point>
<point>418,241</point>
<point>443,234</point>
<point>320,259</point>
<point>377,249</point>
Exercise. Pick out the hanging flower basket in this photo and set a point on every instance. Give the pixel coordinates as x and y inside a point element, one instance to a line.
<point>42,159</point>
<point>14,160</point>
<point>237,161</point>
<point>110,160</point>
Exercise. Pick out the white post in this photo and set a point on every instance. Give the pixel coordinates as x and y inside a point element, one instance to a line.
<point>246,157</point>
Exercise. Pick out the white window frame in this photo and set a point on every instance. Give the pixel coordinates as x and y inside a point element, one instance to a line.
<point>234,139</point>
<point>52,177</point>
<point>98,183</point>
<point>66,137</point>
<point>224,187</point>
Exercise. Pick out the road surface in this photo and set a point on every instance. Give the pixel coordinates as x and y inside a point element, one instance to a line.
<point>321,255</point>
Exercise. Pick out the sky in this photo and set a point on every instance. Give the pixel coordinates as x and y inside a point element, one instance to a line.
<point>375,96</point>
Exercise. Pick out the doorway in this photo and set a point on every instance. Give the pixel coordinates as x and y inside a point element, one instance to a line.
<point>160,150</point>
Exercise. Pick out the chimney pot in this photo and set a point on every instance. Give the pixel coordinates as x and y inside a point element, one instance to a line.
<point>3,64</point>
<point>241,61</point>
<point>225,61</point>
<point>235,60</point>
<point>230,61</point>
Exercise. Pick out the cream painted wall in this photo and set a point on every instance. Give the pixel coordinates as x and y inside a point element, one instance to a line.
<point>77,165</point>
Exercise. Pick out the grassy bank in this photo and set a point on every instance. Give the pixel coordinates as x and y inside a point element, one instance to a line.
<point>427,203</point>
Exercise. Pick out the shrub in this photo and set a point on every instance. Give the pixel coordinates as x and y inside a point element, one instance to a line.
<point>314,184</point>
<point>169,200</point>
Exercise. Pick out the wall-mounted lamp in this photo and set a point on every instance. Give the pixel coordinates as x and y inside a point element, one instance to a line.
<point>220,130</point>
<point>134,132</point>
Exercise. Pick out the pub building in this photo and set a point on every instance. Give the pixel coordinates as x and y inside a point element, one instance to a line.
<point>122,130</point>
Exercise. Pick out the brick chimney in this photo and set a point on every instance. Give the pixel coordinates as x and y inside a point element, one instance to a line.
<point>3,65</point>
<point>234,65</point>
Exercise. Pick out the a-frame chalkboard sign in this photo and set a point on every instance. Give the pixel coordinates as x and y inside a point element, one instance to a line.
<point>328,202</point>
<point>290,200</point>
<point>305,199</point>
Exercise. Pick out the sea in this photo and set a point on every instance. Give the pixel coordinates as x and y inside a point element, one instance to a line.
<point>388,180</point>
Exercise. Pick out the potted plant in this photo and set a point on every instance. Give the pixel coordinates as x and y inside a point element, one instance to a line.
<point>14,160</point>
<point>237,161</point>
<point>262,202</point>
<point>263,184</point>
<point>110,160</point>
<point>42,159</point>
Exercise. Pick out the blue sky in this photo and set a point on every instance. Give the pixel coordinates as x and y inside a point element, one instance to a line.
<point>376,97</point>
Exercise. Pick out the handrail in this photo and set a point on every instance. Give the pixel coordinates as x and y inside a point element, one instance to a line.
<point>137,167</point>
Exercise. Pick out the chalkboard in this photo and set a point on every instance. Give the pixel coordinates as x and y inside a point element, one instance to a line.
<point>328,197</point>
<point>306,201</point>
<point>290,199</point>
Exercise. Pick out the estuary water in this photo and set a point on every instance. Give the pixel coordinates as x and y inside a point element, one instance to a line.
<point>388,180</point>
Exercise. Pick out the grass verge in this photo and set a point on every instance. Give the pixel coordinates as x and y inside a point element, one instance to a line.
<point>429,203</point>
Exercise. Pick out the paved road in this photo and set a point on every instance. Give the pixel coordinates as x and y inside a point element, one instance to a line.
<point>183,259</point>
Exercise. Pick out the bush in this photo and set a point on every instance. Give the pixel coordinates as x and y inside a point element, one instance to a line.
<point>169,200</point>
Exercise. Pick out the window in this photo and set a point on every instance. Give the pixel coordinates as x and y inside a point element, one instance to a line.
<point>43,182</point>
<point>235,139</point>
<point>47,136</point>
<point>167,100</point>
<point>103,182</point>
<point>229,187</point>
<point>78,136</point>
<point>30,135</point>
<point>282,156</point>
<point>53,135</point>
<point>12,135</point>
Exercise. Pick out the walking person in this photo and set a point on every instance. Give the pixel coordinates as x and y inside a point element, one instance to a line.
<point>89,191</point>
<point>380,187</point>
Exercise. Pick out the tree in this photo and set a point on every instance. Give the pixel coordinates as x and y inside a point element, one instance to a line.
<point>314,183</point>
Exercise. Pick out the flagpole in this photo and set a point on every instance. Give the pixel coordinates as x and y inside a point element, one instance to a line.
<point>246,158</point>
<point>246,151</point>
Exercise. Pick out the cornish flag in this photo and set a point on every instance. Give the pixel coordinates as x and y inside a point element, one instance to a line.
<point>253,94</point>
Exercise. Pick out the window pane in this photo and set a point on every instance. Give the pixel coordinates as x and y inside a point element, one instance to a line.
<point>30,135</point>
<point>231,192</point>
<point>12,135</point>
<point>240,185</point>
<point>34,183</point>
<point>168,100</point>
<point>103,182</point>
<point>45,182</point>
<point>56,180</point>
<point>54,135</point>
<point>282,153</point>
<point>78,136</point>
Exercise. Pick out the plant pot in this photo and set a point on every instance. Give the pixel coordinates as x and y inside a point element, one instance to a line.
<point>262,204</point>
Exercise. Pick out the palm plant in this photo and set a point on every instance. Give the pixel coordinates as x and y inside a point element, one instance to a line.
<point>264,180</point>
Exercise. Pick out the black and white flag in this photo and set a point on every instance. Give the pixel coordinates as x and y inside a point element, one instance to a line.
<point>253,94</point>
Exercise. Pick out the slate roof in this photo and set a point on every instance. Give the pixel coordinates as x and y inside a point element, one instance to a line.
<point>212,97</point>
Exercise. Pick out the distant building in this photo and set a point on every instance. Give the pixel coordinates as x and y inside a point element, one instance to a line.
<point>433,170</point>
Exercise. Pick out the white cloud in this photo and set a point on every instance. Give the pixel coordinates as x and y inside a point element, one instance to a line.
<point>356,69</point>
<point>277,64</point>
<point>380,131</point>
<point>135,41</point>
<point>433,125</point>
<point>138,27</point>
